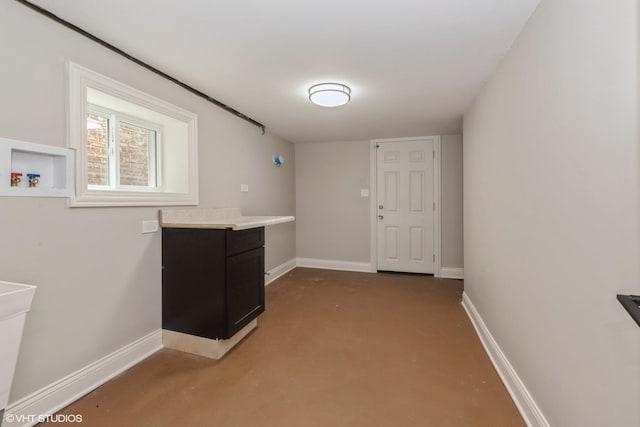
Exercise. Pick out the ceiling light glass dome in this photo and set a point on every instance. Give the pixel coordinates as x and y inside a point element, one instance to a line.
<point>329,94</point>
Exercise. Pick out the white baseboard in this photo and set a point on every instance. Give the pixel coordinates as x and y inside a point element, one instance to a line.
<point>279,271</point>
<point>330,264</point>
<point>452,273</point>
<point>528,408</point>
<point>61,393</point>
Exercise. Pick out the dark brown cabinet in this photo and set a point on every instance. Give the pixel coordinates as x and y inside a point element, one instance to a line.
<point>212,280</point>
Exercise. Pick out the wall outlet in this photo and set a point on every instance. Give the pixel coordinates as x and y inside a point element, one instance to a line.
<point>364,192</point>
<point>150,226</point>
<point>244,188</point>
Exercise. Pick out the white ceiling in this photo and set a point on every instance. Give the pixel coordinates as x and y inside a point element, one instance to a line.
<point>414,66</point>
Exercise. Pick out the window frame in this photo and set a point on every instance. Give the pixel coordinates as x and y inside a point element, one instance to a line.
<point>114,120</point>
<point>81,79</point>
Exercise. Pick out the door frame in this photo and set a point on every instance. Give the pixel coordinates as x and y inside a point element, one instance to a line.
<point>373,197</point>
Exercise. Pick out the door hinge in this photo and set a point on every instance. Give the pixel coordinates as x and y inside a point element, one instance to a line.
<point>433,155</point>
<point>434,257</point>
<point>434,206</point>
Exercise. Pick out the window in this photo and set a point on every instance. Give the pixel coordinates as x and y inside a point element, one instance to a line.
<point>132,149</point>
<point>122,152</point>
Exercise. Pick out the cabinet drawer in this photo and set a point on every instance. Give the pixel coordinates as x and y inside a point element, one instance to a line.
<point>244,240</point>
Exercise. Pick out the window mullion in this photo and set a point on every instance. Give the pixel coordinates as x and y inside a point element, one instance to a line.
<point>114,161</point>
<point>152,144</point>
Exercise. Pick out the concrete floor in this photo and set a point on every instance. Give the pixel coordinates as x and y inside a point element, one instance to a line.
<point>333,349</point>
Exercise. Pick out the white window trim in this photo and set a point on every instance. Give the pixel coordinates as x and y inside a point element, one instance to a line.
<point>80,79</point>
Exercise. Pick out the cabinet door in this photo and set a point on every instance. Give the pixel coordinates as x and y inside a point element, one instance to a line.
<point>193,281</point>
<point>245,288</point>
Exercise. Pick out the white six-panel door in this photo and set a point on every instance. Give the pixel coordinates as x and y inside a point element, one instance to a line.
<point>405,206</point>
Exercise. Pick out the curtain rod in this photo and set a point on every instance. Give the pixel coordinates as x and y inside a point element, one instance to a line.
<point>122,53</point>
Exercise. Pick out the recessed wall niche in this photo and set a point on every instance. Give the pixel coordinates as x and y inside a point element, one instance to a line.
<point>35,170</point>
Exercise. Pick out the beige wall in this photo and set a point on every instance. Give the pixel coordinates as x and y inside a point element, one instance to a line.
<point>98,277</point>
<point>451,201</point>
<point>332,219</point>
<point>551,215</point>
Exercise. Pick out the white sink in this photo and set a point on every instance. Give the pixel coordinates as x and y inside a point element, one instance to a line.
<point>15,301</point>
<point>15,298</point>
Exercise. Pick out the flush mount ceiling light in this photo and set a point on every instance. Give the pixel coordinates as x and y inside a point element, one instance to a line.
<point>329,94</point>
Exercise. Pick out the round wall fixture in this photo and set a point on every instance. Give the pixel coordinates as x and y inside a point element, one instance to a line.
<point>329,94</point>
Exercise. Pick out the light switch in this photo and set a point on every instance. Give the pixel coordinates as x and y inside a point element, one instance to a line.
<point>150,226</point>
<point>364,192</point>
<point>244,188</point>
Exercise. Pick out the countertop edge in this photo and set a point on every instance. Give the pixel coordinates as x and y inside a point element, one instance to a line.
<point>241,223</point>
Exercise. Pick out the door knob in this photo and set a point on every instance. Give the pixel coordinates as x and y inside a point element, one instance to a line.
<point>380,217</point>
<point>380,207</point>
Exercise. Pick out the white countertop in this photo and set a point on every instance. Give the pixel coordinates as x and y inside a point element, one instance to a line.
<point>216,218</point>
